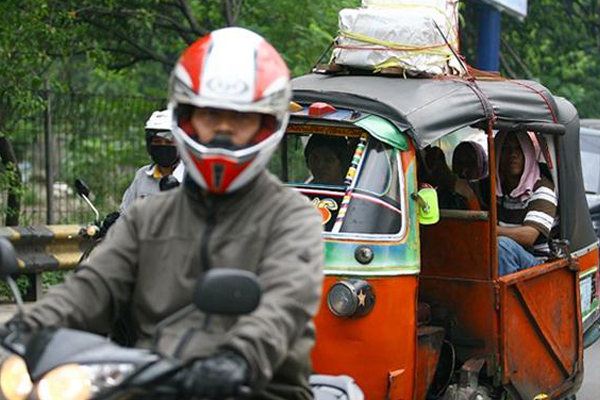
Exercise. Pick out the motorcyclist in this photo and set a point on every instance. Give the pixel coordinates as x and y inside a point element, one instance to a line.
<point>165,159</point>
<point>229,93</point>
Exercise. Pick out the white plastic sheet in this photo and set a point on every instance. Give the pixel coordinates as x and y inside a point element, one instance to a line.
<point>399,33</point>
<point>447,6</point>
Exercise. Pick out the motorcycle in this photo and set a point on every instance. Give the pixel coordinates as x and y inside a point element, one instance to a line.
<point>67,364</point>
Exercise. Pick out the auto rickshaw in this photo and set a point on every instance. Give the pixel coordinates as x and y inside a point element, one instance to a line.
<point>413,307</point>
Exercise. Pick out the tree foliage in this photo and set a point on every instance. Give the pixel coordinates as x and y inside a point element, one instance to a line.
<point>86,41</point>
<point>557,44</point>
<point>127,47</point>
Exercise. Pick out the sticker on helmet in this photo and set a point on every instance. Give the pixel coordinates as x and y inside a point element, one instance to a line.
<point>225,86</point>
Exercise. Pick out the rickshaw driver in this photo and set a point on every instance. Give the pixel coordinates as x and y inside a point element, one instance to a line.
<point>526,203</point>
<point>328,159</point>
<point>229,212</point>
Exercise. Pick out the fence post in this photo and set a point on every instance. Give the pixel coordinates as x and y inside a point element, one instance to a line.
<point>48,155</point>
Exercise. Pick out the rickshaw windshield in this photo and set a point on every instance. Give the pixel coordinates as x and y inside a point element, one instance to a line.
<point>355,182</point>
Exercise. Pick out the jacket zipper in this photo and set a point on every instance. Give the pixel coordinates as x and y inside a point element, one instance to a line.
<point>211,220</point>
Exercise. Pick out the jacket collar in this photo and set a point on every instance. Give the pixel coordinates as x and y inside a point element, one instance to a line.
<point>223,202</point>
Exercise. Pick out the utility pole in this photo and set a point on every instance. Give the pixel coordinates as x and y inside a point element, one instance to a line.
<point>488,47</point>
<point>489,18</point>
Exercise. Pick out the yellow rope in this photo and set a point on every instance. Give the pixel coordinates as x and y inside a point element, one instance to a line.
<point>430,50</point>
<point>397,61</point>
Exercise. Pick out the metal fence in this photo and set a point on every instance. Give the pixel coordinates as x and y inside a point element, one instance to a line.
<point>99,139</point>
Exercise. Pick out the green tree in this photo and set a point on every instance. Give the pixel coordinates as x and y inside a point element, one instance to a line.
<point>129,47</point>
<point>29,41</point>
<point>557,44</point>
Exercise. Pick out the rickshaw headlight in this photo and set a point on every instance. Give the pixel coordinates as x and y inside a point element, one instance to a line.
<point>14,379</point>
<point>351,298</point>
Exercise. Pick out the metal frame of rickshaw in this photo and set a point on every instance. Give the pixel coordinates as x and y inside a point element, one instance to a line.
<point>506,289</point>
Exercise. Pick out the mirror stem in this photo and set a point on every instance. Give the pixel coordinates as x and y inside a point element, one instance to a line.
<point>89,203</point>
<point>16,294</point>
<point>422,203</point>
<point>171,319</point>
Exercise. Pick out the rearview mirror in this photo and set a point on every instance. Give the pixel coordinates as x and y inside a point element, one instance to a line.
<point>429,209</point>
<point>81,188</point>
<point>8,259</point>
<point>227,291</point>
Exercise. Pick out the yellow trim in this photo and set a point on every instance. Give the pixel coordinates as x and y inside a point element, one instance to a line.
<point>14,234</point>
<point>62,232</point>
<point>66,253</point>
<point>329,130</point>
<point>294,107</point>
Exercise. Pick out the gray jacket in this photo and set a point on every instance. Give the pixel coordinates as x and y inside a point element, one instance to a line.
<point>153,256</point>
<point>145,184</point>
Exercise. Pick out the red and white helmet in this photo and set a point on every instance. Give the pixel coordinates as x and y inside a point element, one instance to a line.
<point>231,69</point>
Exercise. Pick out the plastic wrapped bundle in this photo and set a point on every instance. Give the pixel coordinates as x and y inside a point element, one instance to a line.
<point>447,7</point>
<point>397,33</point>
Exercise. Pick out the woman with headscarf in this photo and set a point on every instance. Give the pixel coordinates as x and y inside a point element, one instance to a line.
<point>526,203</point>
<point>469,164</point>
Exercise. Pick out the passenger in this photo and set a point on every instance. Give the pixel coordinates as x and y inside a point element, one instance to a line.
<point>469,161</point>
<point>454,190</point>
<point>328,159</point>
<point>526,203</point>
<point>165,160</point>
<point>469,164</point>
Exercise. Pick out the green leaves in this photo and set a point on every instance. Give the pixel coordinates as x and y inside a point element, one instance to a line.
<point>558,43</point>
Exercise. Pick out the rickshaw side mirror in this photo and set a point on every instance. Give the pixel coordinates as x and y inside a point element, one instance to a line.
<point>429,208</point>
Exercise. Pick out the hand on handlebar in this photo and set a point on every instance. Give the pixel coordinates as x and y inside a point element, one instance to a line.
<point>223,375</point>
<point>15,335</point>
<point>108,221</point>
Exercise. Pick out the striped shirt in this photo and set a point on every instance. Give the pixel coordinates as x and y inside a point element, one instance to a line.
<point>538,211</point>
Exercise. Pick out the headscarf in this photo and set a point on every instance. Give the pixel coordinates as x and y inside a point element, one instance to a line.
<point>531,170</point>
<point>480,155</point>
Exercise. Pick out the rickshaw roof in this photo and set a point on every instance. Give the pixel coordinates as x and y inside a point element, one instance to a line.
<point>428,109</point>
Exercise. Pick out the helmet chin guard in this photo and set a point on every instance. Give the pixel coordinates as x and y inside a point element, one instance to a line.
<point>230,69</point>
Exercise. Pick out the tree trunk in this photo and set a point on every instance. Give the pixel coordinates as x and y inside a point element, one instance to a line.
<point>7,155</point>
<point>231,11</point>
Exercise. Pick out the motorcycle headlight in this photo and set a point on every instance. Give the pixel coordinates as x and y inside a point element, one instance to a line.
<point>81,382</point>
<point>14,379</point>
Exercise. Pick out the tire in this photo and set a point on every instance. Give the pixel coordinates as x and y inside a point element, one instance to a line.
<point>591,336</point>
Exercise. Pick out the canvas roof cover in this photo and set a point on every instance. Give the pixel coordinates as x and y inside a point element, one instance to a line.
<point>428,109</point>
